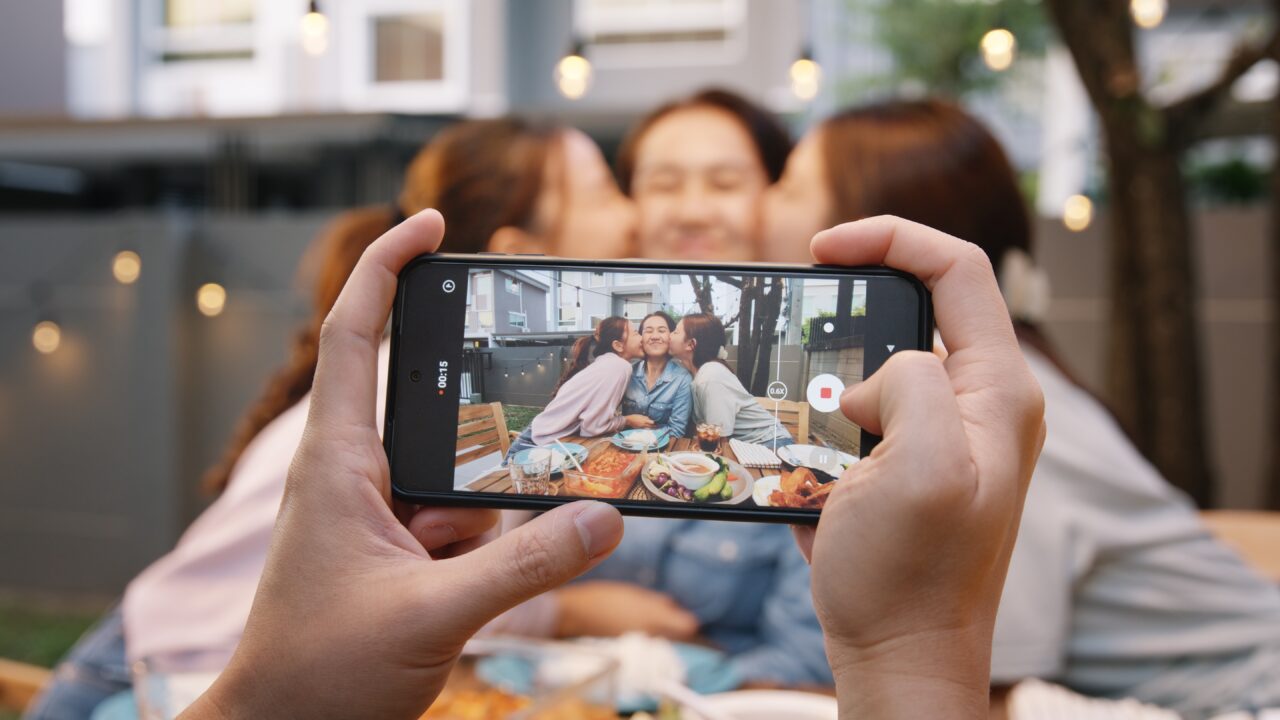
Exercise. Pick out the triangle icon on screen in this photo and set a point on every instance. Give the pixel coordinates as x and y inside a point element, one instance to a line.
<point>891,347</point>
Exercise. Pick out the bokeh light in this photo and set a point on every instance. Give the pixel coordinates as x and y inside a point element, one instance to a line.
<point>573,76</point>
<point>1077,213</point>
<point>1148,13</point>
<point>46,337</point>
<point>211,299</point>
<point>998,49</point>
<point>806,78</point>
<point>127,267</point>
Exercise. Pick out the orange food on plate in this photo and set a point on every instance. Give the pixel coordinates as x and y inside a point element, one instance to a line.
<point>800,489</point>
<point>492,704</point>
<point>609,473</point>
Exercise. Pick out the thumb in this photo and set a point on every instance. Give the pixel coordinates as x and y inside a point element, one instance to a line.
<point>536,557</point>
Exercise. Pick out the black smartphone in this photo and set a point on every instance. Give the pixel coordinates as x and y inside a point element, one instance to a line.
<point>667,389</point>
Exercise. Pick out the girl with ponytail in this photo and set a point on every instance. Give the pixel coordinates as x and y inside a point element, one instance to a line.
<point>586,400</point>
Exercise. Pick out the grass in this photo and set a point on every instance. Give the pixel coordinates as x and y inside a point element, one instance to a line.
<point>519,416</point>
<point>38,635</point>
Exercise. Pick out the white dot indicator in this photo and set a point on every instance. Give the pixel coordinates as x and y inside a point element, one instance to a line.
<point>828,327</point>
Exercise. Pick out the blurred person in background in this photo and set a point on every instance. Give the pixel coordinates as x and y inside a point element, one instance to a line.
<point>509,185</point>
<point>697,169</point>
<point>1116,588</point>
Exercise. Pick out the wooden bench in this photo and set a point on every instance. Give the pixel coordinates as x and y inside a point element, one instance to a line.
<point>20,683</point>
<point>793,415</point>
<point>482,430</point>
<point>1255,535</point>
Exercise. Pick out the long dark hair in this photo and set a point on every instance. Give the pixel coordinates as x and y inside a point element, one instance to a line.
<point>480,174</point>
<point>931,162</point>
<point>708,335</point>
<point>770,137</point>
<point>588,348</point>
<point>670,321</point>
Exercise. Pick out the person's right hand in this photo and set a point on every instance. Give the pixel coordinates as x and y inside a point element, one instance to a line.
<point>601,608</point>
<point>910,554</point>
<point>639,421</point>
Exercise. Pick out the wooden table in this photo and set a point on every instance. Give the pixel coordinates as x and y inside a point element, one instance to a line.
<point>499,481</point>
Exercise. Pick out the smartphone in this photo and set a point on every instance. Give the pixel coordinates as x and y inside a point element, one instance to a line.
<point>695,390</point>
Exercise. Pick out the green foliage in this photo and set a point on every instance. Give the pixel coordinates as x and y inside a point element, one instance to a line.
<point>39,637</point>
<point>1234,181</point>
<point>935,44</point>
<point>519,416</point>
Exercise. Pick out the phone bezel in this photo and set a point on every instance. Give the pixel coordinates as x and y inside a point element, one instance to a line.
<point>627,507</point>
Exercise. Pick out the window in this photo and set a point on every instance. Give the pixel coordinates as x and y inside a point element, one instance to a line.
<point>597,280</point>
<point>482,291</point>
<point>517,319</point>
<point>634,278</point>
<point>408,48</point>
<point>206,30</point>
<point>636,307</point>
<point>568,316</point>
<point>486,319</point>
<point>596,320</point>
<point>511,284</point>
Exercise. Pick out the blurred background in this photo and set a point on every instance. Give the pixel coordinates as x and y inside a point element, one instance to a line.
<point>164,163</point>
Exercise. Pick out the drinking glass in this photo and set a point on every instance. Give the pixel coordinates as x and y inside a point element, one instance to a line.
<point>533,476</point>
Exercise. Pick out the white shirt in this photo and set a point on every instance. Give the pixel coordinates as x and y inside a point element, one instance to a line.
<point>1116,588</point>
<point>192,604</point>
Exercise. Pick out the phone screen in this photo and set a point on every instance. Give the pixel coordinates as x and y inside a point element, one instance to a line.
<point>697,390</point>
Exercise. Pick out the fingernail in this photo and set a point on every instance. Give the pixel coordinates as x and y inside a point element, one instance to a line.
<point>597,524</point>
<point>438,535</point>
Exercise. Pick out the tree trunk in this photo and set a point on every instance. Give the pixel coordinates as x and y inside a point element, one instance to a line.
<point>1155,374</point>
<point>1154,378</point>
<point>1273,494</point>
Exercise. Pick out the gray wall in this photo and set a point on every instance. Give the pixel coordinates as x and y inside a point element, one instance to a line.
<point>1235,313</point>
<point>32,58</point>
<point>104,440</point>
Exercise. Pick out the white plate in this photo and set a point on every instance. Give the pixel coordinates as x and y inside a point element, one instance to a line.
<point>810,456</point>
<point>764,487</point>
<point>742,486</point>
<point>773,704</point>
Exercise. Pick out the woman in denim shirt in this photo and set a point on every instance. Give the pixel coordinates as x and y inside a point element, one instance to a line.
<point>659,388</point>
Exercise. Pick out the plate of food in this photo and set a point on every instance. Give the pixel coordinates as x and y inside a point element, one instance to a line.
<point>764,487</point>
<point>799,488</point>
<point>640,659</point>
<point>640,440</point>
<point>610,473</point>
<point>559,461</point>
<point>697,477</point>
<point>815,457</point>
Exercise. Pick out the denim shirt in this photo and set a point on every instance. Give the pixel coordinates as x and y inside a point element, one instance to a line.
<point>670,401</point>
<point>747,583</point>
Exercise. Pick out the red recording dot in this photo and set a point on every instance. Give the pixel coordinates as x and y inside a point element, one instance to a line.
<point>441,392</point>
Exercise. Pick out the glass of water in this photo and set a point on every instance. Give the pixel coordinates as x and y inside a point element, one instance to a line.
<point>533,475</point>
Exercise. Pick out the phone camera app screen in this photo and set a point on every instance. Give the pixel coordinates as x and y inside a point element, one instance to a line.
<point>711,389</point>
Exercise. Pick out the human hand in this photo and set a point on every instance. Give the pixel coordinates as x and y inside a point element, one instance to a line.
<point>600,608</point>
<point>354,617</point>
<point>639,421</point>
<point>910,555</point>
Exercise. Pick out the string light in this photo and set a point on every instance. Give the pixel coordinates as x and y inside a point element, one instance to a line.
<point>46,337</point>
<point>806,76</point>
<point>315,30</point>
<point>1077,213</point>
<point>211,299</point>
<point>127,267</point>
<point>573,72</point>
<point>1148,13</point>
<point>999,47</point>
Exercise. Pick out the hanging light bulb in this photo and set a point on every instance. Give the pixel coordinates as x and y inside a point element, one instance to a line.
<point>999,47</point>
<point>211,299</point>
<point>315,30</point>
<point>46,337</point>
<point>1148,13</point>
<point>573,72</point>
<point>1077,213</point>
<point>806,76</point>
<point>126,266</point>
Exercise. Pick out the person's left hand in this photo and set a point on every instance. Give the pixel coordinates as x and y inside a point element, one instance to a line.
<point>354,617</point>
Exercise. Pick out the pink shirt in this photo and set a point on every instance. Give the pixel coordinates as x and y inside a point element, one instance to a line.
<point>587,404</point>
<point>192,604</point>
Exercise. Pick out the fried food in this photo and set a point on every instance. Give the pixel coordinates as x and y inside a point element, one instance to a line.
<point>800,489</point>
